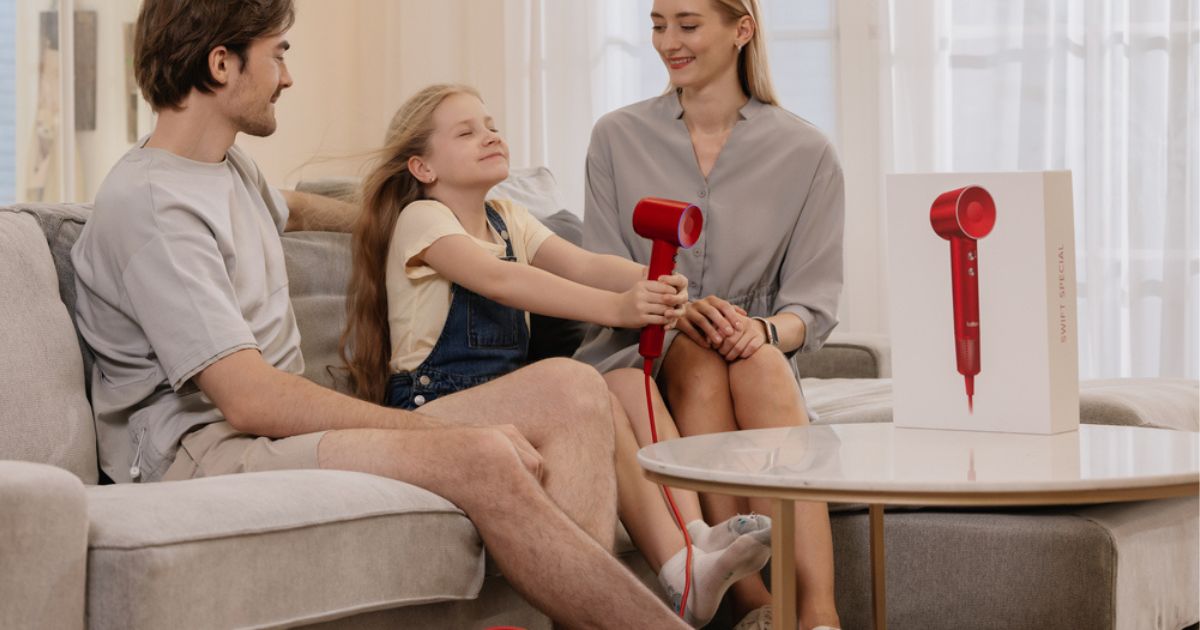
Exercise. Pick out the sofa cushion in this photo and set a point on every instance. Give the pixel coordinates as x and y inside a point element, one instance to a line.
<point>1108,566</point>
<point>43,547</point>
<point>318,265</point>
<point>44,413</point>
<point>848,355</point>
<point>534,188</point>
<point>62,223</point>
<point>1163,403</point>
<point>272,549</point>
<point>1153,579</point>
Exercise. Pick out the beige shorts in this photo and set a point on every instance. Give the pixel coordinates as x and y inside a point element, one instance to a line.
<point>219,449</point>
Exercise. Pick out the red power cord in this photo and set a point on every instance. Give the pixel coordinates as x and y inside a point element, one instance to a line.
<point>647,364</point>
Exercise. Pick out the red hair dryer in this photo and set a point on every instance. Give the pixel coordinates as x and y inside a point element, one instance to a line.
<point>963,216</point>
<point>671,225</point>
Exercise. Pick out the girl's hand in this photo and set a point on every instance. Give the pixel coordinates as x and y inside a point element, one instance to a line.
<point>649,302</point>
<point>680,284</point>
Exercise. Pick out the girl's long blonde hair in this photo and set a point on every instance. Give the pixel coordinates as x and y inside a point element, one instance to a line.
<point>365,344</point>
<point>754,75</point>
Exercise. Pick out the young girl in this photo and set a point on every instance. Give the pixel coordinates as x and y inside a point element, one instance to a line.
<point>441,284</point>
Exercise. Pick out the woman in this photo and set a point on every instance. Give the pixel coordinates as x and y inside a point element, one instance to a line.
<point>766,274</point>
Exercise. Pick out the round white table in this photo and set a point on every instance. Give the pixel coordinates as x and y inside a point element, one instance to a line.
<point>880,464</point>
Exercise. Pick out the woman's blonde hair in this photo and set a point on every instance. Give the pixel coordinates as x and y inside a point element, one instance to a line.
<point>365,344</point>
<point>753,73</point>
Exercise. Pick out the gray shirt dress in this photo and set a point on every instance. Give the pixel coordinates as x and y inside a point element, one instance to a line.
<point>773,214</point>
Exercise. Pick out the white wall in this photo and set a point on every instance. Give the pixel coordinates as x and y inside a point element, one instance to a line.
<point>354,63</point>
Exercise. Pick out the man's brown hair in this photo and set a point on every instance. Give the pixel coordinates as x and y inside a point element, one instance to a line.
<point>173,38</point>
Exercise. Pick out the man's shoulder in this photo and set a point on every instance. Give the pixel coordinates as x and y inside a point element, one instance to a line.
<point>127,183</point>
<point>244,164</point>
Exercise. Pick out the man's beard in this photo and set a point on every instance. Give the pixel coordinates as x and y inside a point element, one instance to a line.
<point>262,125</point>
<point>260,122</point>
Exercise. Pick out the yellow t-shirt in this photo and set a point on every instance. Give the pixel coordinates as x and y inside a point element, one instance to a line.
<point>418,297</point>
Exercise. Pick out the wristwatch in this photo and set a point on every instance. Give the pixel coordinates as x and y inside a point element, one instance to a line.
<point>772,332</point>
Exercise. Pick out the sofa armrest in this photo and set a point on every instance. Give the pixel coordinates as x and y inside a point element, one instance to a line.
<point>848,355</point>
<point>43,546</point>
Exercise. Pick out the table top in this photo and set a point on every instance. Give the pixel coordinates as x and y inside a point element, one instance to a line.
<point>880,462</point>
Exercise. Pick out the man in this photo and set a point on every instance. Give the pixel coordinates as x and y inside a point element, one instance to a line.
<point>183,297</point>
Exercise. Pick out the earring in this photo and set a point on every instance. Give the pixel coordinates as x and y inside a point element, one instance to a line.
<point>739,47</point>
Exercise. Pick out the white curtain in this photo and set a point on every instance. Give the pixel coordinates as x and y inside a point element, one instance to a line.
<point>1104,88</point>
<point>568,63</point>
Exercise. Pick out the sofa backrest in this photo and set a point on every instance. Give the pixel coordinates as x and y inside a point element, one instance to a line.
<point>44,412</point>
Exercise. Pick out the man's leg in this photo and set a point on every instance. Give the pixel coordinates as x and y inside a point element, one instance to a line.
<point>542,553</point>
<point>563,408</point>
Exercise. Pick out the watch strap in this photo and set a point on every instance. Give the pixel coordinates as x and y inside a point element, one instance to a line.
<point>772,332</point>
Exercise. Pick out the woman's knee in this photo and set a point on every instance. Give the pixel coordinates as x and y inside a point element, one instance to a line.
<point>694,371</point>
<point>765,391</point>
<point>768,368</point>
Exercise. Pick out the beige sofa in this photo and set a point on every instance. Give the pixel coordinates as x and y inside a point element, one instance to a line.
<point>336,549</point>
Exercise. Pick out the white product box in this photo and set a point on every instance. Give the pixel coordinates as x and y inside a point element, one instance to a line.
<point>1022,340</point>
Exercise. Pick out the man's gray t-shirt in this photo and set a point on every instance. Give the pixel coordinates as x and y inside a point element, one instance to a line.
<point>179,266</point>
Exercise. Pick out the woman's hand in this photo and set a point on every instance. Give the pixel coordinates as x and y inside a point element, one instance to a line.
<point>751,338</point>
<point>722,326</point>
<point>709,321</point>
<point>652,302</point>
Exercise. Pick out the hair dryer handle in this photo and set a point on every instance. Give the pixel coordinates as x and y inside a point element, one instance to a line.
<point>662,263</point>
<point>965,270</point>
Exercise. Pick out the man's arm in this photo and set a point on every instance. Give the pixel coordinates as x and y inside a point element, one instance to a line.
<point>259,399</point>
<point>319,213</point>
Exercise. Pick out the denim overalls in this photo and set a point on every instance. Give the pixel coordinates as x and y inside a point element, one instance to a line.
<point>481,340</point>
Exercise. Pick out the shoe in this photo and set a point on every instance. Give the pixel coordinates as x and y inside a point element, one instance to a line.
<point>757,619</point>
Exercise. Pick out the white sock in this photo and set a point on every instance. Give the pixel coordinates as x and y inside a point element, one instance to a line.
<point>713,572</point>
<point>723,534</point>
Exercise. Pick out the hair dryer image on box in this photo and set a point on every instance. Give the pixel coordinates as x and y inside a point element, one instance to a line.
<point>671,225</point>
<point>963,216</point>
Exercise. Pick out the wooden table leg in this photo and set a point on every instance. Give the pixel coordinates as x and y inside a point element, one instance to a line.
<point>783,563</point>
<point>878,570</point>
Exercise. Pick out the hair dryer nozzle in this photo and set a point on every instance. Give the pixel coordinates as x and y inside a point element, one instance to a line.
<point>969,211</point>
<point>676,222</point>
